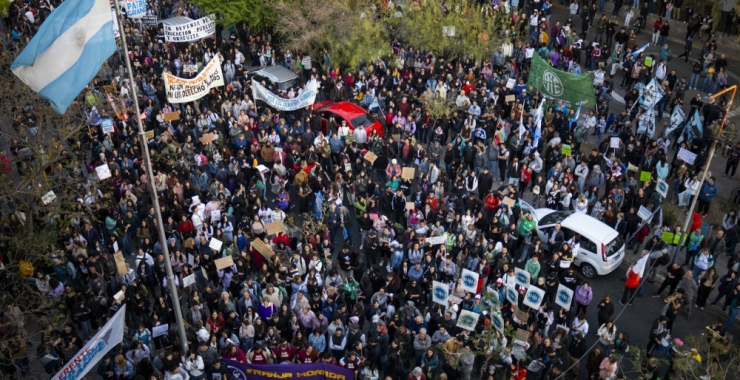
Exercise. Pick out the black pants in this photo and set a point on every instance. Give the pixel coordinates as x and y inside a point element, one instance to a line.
<point>702,206</point>
<point>651,345</point>
<point>730,166</point>
<point>667,283</point>
<point>702,295</point>
<point>628,294</point>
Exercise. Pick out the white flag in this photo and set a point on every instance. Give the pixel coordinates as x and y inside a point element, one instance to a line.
<point>96,348</point>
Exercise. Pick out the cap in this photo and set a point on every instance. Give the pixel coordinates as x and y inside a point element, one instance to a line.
<point>376,318</point>
<point>394,161</point>
<point>477,296</point>
<point>499,281</point>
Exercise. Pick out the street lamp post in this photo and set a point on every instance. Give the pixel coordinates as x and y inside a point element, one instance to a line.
<point>153,192</point>
<point>709,161</point>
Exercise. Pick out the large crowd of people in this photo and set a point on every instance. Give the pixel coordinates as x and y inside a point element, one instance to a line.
<point>353,286</point>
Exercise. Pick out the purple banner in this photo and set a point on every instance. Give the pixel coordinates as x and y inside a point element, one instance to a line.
<point>319,371</point>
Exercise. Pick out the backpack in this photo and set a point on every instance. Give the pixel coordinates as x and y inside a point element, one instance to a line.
<point>664,259</point>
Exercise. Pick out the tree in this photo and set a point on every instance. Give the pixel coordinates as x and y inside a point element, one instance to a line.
<point>464,29</point>
<point>40,184</point>
<point>258,15</point>
<point>706,356</point>
<point>351,34</point>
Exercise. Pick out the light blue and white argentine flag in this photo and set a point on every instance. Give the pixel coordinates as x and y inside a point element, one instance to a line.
<point>68,51</point>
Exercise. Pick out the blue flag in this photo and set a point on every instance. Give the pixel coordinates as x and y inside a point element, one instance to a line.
<point>68,51</point>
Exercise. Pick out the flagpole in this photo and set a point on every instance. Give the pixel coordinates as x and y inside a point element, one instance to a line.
<point>709,161</point>
<point>152,190</point>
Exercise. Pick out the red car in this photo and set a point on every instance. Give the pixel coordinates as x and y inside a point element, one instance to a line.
<point>350,112</point>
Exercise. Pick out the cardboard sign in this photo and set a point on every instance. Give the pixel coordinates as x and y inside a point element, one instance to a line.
<point>48,197</point>
<point>469,281</point>
<point>171,116</point>
<point>189,69</point>
<point>120,263</point>
<point>436,240</point>
<point>566,149</point>
<point>522,335</point>
<point>632,168</point>
<point>188,280</point>
<point>275,227</point>
<point>262,248</point>
<point>120,296</point>
<point>510,83</point>
<point>644,213</point>
<point>408,173</point>
<point>160,330</point>
<point>103,172</point>
<point>467,320</point>
<point>440,293</point>
<point>215,244</point>
<point>536,190</point>
<point>347,167</point>
<point>410,205</point>
<point>510,98</point>
<point>149,135</point>
<point>370,157</point>
<point>215,216</point>
<point>521,316</point>
<point>191,260</point>
<point>224,262</point>
<point>667,237</point>
<point>687,156</point>
<point>263,168</point>
<point>509,202</point>
<point>614,142</point>
<point>645,176</point>
<point>208,138</point>
<point>396,138</point>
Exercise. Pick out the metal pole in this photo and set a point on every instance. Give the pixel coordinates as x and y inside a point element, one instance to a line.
<point>153,193</point>
<point>709,161</point>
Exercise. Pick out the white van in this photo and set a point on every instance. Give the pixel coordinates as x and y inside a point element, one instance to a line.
<point>602,248</point>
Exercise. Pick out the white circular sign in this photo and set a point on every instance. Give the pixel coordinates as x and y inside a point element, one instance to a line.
<point>551,83</point>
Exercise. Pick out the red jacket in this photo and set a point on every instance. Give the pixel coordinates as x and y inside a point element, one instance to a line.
<point>695,222</point>
<point>633,280</point>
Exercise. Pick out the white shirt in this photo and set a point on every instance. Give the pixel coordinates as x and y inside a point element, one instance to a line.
<point>29,16</point>
<point>583,326</point>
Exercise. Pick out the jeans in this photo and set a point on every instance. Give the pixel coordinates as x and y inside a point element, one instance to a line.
<point>661,109</point>
<point>656,36</point>
<point>661,40</point>
<point>694,81</point>
<point>85,328</point>
<point>733,314</point>
<point>493,167</point>
<point>707,85</point>
<point>697,272</point>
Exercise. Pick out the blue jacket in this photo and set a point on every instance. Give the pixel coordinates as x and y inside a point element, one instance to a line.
<point>708,192</point>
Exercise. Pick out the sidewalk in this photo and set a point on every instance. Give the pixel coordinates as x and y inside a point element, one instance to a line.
<point>721,262</point>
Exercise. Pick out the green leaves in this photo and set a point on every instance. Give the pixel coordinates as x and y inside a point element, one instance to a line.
<point>258,15</point>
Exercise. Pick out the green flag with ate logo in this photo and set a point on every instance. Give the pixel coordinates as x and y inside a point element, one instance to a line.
<point>558,84</point>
